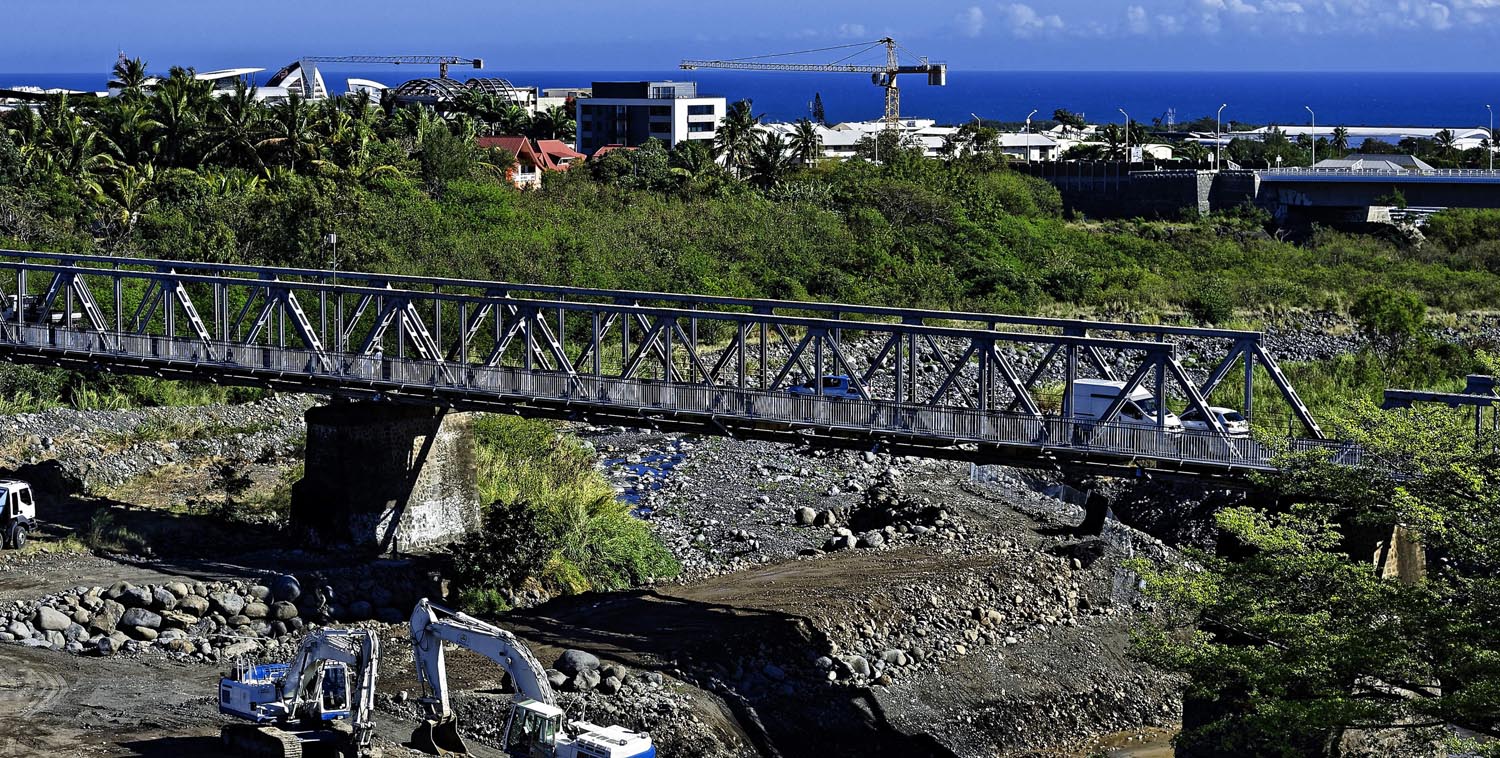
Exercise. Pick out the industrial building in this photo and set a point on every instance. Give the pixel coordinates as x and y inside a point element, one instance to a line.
<point>630,113</point>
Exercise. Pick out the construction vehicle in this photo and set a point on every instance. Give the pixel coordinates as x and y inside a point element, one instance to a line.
<point>19,517</point>
<point>323,700</point>
<point>882,75</point>
<point>536,727</point>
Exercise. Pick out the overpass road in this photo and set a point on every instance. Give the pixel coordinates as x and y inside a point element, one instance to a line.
<point>944,384</point>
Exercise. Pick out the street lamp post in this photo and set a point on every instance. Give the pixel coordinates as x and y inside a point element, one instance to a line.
<point>1127,136</point>
<point>1491,141</point>
<point>1027,146</point>
<point>1218,133</point>
<point>1314,134</point>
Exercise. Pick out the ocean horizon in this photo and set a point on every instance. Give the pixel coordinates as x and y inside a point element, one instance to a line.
<point>1348,98</point>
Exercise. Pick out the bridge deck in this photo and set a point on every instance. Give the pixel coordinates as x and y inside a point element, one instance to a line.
<point>939,432</point>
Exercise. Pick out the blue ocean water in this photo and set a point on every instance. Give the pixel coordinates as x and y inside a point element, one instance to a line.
<point>1349,98</point>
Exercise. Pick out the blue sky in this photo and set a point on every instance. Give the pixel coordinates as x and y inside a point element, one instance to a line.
<point>1255,35</point>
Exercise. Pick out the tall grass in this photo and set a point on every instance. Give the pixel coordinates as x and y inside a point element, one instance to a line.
<point>588,538</point>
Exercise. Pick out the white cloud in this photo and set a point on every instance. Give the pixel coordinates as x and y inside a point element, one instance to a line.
<point>971,21</point>
<point>852,30</point>
<point>1024,21</point>
<point>1282,6</point>
<point>1137,20</point>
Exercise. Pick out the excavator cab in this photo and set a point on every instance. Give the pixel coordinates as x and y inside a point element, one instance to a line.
<point>532,729</point>
<point>334,692</point>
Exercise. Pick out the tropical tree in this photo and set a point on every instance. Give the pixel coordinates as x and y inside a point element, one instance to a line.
<point>806,142</point>
<point>736,137</point>
<point>129,190</point>
<point>292,137</point>
<point>131,75</point>
<point>1195,153</point>
<point>236,123</point>
<point>1447,143</point>
<point>769,161</point>
<point>1341,141</point>
<point>180,104</point>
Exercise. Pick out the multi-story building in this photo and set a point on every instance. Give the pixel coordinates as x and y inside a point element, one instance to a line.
<point>629,113</point>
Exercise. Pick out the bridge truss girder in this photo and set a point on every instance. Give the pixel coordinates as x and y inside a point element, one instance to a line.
<point>902,357</point>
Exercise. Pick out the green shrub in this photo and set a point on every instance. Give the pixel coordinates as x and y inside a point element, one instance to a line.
<point>552,519</point>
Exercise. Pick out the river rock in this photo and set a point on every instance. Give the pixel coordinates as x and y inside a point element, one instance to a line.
<point>227,603</point>
<point>51,620</point>
<point>256,610</point>
<point>609,685</point>
<point>573,662</point>
<point>193,604</point>
<point>162,599</point>
<point>238,649</point>
<point>286,589</point>
<point>179,590</point>
<point>805,516</point>
<point>283,610</point>
<point>107,618</point>
<point>260,592</point>
<point>140,617</point>
<point>585,680</point>
<point>135,597</point>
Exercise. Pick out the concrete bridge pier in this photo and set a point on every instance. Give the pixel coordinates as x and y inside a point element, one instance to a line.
<point>383,477</point>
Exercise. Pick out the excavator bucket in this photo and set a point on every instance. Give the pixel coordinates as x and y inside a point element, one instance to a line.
<point>439,737</point>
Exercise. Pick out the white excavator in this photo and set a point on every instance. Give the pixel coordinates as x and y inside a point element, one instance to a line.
<point>536,727</point>
<point>323,701</point>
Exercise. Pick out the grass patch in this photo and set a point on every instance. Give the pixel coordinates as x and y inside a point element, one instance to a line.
<point>104,534</point>
<point>552,519</point>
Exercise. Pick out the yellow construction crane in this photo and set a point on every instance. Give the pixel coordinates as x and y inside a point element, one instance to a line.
<point>882,75</point>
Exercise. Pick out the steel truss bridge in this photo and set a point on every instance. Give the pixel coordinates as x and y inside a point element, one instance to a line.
<point>964,386</point>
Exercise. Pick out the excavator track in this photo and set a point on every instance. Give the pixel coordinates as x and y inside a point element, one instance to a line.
<point>252,741</point>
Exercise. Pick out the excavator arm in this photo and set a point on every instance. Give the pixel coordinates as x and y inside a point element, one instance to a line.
<point>431,626</point>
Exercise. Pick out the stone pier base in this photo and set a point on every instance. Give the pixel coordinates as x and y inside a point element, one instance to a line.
<point>387,478</point>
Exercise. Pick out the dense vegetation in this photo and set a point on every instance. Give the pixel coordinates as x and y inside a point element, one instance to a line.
<point>1293,639</point>
<point>551,522</point>
<point>175,172</point>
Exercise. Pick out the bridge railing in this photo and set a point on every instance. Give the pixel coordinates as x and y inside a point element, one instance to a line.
<point>877,419</point>
<point>1436,172</point>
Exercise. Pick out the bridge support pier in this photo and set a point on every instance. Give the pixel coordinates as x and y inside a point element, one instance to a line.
<point>384,477</point>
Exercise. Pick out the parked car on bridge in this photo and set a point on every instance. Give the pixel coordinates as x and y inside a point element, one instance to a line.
<point>837,386</point>
<point>1235,424</point>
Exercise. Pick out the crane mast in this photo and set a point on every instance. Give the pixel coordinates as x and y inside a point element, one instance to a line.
<point>883,76</point>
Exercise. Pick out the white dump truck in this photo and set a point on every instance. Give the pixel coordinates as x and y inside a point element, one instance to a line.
<point>1093,397</point>
<point>19,517</point>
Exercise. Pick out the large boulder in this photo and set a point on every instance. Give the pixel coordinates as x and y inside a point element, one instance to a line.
<point>227,603</point>
<point>140,617</point>
<point>283,611</point>
<point>585,680</point>
<point>51,620</point>
<point>574,662</point>
<point>241,648</point>
<point>163,599</point>
<point>286,589</point>
<point>256,610</point>
<point>111,644</point>
<point>19,629</point>
<point>259,592</point>
<point>135,597</point>
<point>193,604</point>
<point>179,590</point>
<point>177,619</point>
<point>142,633</point>
<point>107,618</point>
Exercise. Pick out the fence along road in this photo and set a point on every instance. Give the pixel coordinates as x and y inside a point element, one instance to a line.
<point>935,383</point>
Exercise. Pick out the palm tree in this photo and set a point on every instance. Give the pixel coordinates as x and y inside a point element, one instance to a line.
<point>1113,136</point>
<point>181,105</point>
<point>131,75</point>
<point>1447,142</point>
<point>75,145</point>
<point>237,120</point>
<point>131,129</point>
<point>1340,142</point>
<point>1195,153</point>
<point>292,133</point>
<point>769,161</point>
<point>806,142</point>
<point>736,135</point>
<point>130,190</point>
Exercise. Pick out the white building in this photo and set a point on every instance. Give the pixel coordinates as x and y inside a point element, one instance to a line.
<point>841,141</point>
<point>630,113</point>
